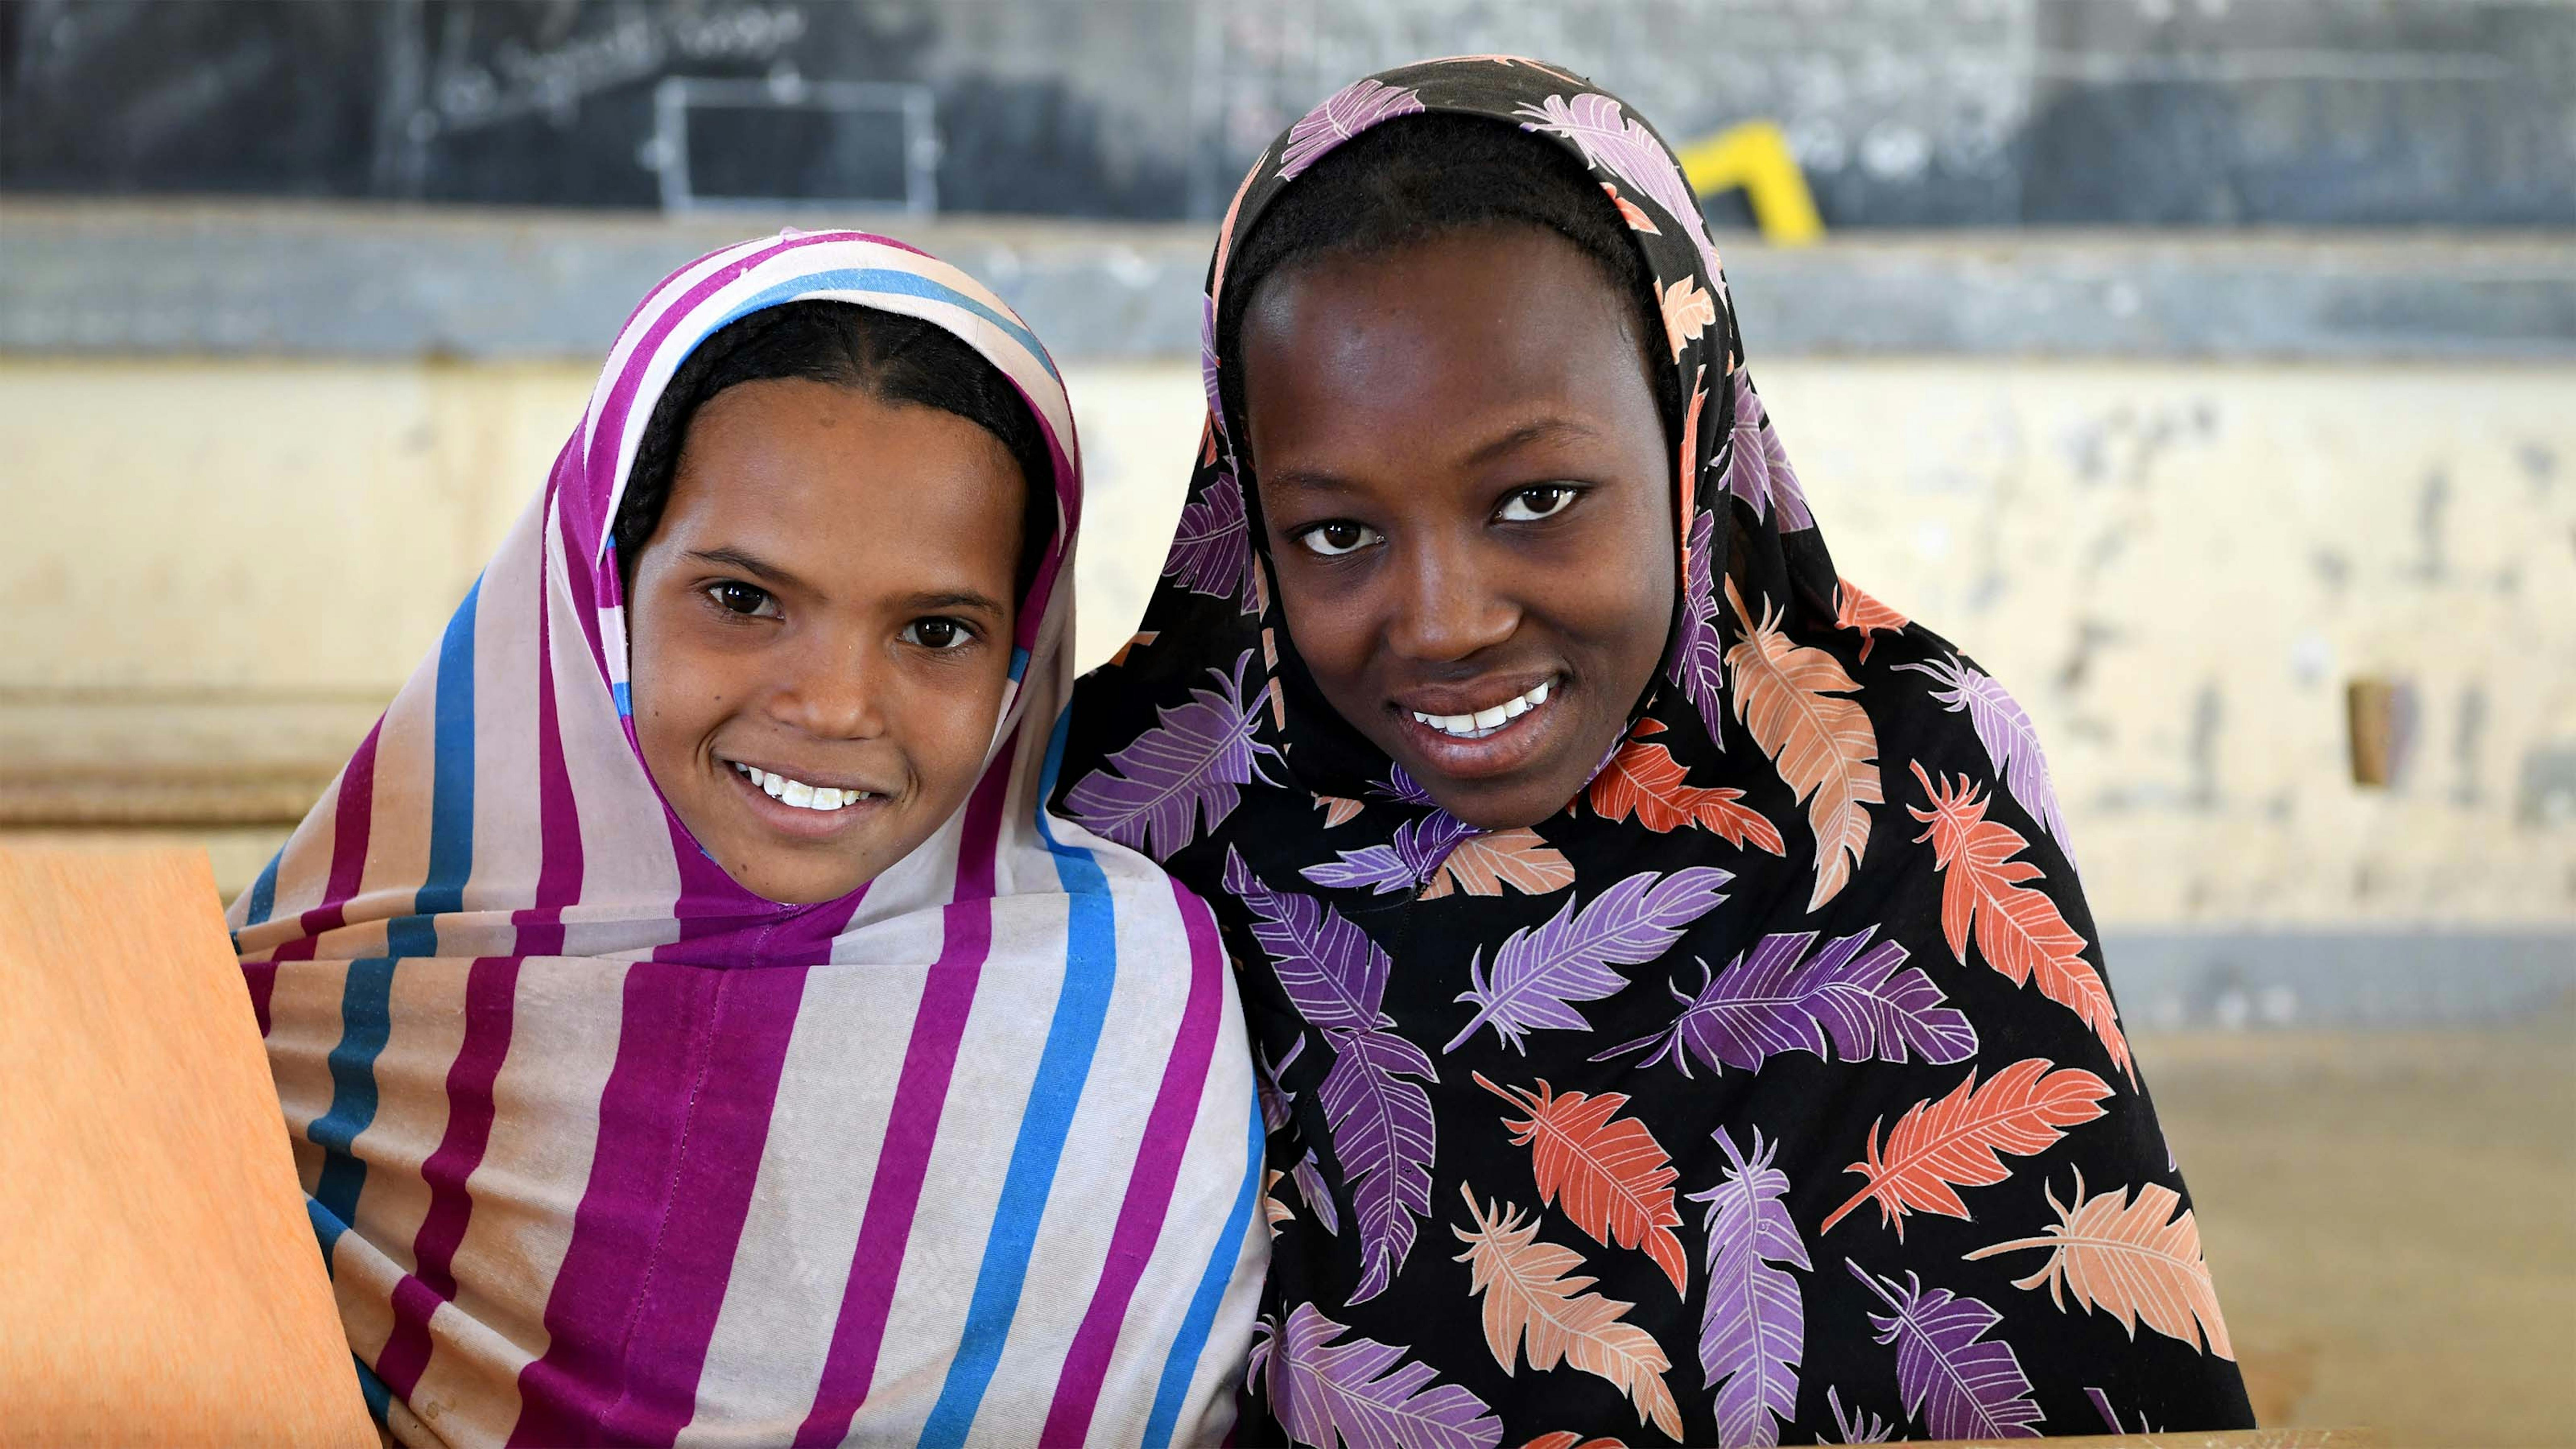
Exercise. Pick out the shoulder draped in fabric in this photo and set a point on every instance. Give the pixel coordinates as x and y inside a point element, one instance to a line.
<point>601,1147</point>
<point>1773,1090</point>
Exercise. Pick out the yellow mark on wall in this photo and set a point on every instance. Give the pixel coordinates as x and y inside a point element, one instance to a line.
<point>1755,156</point>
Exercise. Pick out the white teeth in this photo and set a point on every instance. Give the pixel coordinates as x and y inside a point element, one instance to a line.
<point>1485,721</point>
<point>800,794</point>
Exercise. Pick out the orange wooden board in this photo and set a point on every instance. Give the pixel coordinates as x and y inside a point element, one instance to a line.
<point>159,1280</point>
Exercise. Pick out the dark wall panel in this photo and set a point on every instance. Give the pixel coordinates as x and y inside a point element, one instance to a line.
<point>1903,112</point>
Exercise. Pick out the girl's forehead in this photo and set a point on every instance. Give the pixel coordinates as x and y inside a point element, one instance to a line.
<point>1456,337</point>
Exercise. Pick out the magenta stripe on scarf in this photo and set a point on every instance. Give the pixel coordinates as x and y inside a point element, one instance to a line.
<point>1149,1186</point>
<point>607,435</point>
<point>559,857</point>
<point>682,1123</point>
<point>491,991</point>
<point>349,826</point>
<point>725,1131</point>
<point>912,1125</point>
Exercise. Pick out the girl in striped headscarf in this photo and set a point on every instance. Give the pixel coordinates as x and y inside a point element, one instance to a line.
<point>688,1022</point>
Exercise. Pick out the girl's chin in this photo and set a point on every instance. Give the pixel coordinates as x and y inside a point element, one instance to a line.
<point>792,877</point>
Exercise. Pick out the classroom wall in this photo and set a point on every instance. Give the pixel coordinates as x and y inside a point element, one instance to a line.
<point>2178,566</point>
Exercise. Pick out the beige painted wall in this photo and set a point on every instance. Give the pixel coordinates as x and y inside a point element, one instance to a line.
<point>229,565</point>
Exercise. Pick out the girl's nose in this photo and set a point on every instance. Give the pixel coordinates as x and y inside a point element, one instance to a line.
<point>835,692</point>
<point>1447,603</point>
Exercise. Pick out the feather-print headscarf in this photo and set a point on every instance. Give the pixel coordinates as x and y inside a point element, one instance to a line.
<point>601,1146</point>
<point>1771,1090</point>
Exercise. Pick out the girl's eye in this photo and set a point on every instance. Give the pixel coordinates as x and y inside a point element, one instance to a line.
<point>1339,537</point>
<point>1532,504</point>
<point>736,597</point>
<point>937,633</point>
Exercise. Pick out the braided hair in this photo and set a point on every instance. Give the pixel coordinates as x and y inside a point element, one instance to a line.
<point>890,357</point>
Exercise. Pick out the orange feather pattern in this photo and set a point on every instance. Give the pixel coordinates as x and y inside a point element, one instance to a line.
<point>1644,780</point>
<point>1959,1141</point>
<point>2017,928</point>
<point>1532,1307</point>
<point>1135,642</point>
<point>1482,865</point>
<point>1568,1439</point>
<point>1791,697</point>
<point>1856,610</point>
<point>1273,1211</point>
<point>1615,1178</point>
<point>2132,1259</point>
<point>1689,463</point>
<point>1338,810</point>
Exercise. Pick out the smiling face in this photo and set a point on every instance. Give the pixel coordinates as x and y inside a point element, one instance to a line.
<point>1468,500</point>
<point>820,630</point>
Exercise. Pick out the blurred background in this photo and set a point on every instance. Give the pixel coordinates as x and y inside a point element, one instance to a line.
<point>2206,367</point>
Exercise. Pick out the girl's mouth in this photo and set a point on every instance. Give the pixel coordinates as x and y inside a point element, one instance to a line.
<point>1488,721</point>
<point>1493,739</point>
<point>797,808</point>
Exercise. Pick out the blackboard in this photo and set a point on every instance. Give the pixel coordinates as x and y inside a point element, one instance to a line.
<point>1904,113</point>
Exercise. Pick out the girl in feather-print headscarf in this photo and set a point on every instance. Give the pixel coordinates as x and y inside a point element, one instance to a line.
<point>1677,1015</point>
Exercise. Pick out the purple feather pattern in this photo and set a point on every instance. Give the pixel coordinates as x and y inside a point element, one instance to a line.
<point>1418,848</point>
<point>1275,1099</point>
<point>1699,657</point>
<point>1212,549</point>
<point>1266,1090</point>
<point>1361,1391</point>
<point>1757,468</point>
<point>1753,1332</point>
<point>2011,741</point>
<point>1333,973</point>
<point>1308,1174</point>
<point>1611,141</point>
<point>1857,1427</point>
<point>1382,1133</point>
<point>1401,786</point>
<point>1372,1096</point>
<point>1777,999</point>
<point>1344,114</point>
<point>1153,794</point>
<point>1539,974</point>
<point>1965,1385</point>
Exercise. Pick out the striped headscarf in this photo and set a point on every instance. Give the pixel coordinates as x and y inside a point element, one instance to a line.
<point>602,1147</point>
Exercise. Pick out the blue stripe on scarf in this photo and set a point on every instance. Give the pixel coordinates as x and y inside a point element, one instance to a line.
<point>366,1020</point>
<point>1091,970</point>
<point>263,892</point>
<point>1182,1364</point>
<point>892,283</point>
<point>372,1389</point>
<point>366,996</point>
<point>451,793</point>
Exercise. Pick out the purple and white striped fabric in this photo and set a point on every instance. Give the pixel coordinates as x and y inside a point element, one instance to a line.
<point>601,1147</point>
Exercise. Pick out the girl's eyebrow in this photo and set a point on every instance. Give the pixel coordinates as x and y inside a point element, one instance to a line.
<point>728,557</point>
<point>953,599</point>
<point>1539,431</point>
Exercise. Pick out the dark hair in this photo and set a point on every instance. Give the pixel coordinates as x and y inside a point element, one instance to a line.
<point>891,357</point>
<point>1419,177</point>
